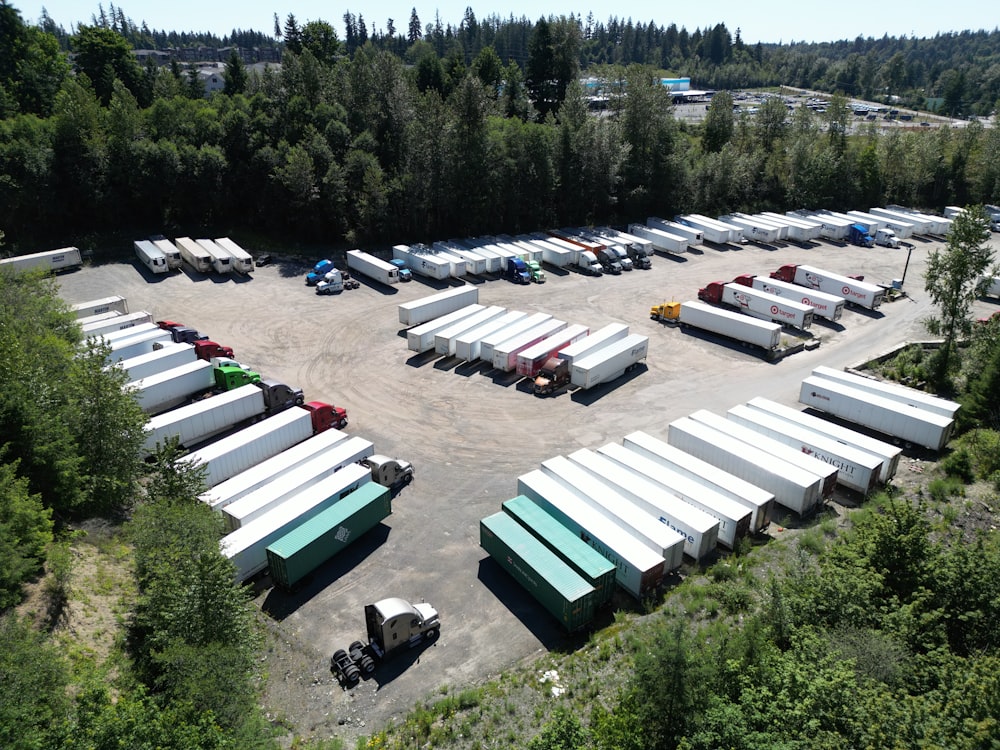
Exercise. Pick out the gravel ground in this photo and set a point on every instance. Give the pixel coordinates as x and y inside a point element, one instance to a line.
<point>469,432</point>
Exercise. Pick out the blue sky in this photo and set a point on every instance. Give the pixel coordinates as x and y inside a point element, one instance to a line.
<point>763,20</point>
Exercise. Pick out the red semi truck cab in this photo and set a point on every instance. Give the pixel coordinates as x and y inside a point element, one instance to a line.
<point>208,349</point>
<point>785,273</point>
<point>746,279</point>
<point>712,292</point>
<point>325,416</point>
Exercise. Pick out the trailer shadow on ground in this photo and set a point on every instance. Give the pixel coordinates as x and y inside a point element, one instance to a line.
<point>289,269</point>
<point>468,369</point>
<point>421,358</point>
<point>279,604</point>
<point>827,324</point>
<point>398,663</point>
<point>555,270</point>
<point>769,246</point>
<point>376,286</point>
<point>874,314</point>
<point>503,378</point>
<point>447,362</point>
<point>148,276</point>
<point>592,395</point>
<point>525,607</point>
<point>723,246</point>
<point>735,346</point>
<point>673,257</point>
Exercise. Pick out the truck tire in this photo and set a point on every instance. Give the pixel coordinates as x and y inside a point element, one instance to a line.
<point>407,479</point>
<point>342,424</point>
<point>337,657</point>
<point>299,400</point>
<point>355,650</point>
<point>367,664</point>
<point>433,634</point>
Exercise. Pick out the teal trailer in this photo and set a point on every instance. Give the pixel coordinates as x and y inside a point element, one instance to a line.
<point>553,583</point>
<point>310,544</point>
<point>590,564</point>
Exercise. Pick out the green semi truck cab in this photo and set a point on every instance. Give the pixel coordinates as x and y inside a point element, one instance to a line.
<point>229,377</point>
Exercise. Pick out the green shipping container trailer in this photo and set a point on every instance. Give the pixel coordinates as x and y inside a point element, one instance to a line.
<point>309,545</point>
<point>554,584</point>
<point>590,564</point>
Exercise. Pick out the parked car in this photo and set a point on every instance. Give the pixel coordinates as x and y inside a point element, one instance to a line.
<point>264,259</point>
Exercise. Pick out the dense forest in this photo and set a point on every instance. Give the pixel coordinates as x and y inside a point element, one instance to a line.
<point>474,129</point>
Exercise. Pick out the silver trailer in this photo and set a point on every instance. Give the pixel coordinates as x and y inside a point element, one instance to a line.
<point>98,318</point>
<point>759,501</point>
<point>428,308</point>
<point>797,489</point>
<point>115,303</point>
<point>609,362</point>
<point>638,569</point>
<point>194,423</point>
<point>242,260</point>
<point>877,412</point>
<point>247,547</point>
<point>596,341</point>
<point>490,341</point>
<point>699,530</point>
<point>732,519</point>
<point>830,228</point>
<point>446,340</point>
<point>459,266</point>
<point>531,360</point>
<point>494,261</point>
<point>793,456</point>
<point>754,230</point>
<point>271,470</point>
<point>856,469</point>
<point>733,325</point>
<point>660,538</point>
<point>799,229</point>
<point>893,391</point>
<point>172,387</point>
<point>318,469</point>
<point>920,225</point>
<point>778,226</point>
<point>229,456</point>
<point>939,225</point>
<point>194,254</point>
<point>151,256</point>
<point>144,365</point>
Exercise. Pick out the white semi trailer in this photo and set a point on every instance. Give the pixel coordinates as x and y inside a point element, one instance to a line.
<point>171,355</point>
<point>421,338</point>
<point>374,268</point>
<point>201,420</point>
<point>428,308</point>
<point>828,306</point>
<point>194,254</point>
<point>893,391</point>
<point>172,387</point>
<point>609,362</point>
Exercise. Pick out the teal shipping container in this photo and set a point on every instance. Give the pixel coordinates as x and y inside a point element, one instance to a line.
<point>310,544</point>
<point>553,583</point>
<point>590,564</point>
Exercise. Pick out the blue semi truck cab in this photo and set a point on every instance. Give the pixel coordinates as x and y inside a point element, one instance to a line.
<point>517,271</point>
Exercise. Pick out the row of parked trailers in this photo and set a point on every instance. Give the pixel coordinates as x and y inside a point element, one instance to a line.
<point>221,255</point>
<point>716,479</point>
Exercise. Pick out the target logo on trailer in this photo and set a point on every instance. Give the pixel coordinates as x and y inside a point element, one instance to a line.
<point>846,291</point>
<point>774,309</point>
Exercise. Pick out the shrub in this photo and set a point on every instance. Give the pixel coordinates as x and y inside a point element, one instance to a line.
<point>958,464</point>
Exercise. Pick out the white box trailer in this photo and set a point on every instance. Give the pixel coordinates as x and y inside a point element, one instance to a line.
<point>778,226</point>
<point>732,519</point>
<point>754,230</point>
<point>938,224</point>
<point>271,470</point>
<point>428,308</point>
<point>856,469</point>
<point>710,229</point>
<point>242,260</point>
<point>699,531</point>
<point>797,489</point>
<point>886,453</point>
<point>530,360</point>
<point>894,391</point>
<point>489,342</point>
<point>194,423</point>
<point>665,242</point>
<point>172,387</point>
<point>659,538</point>
<point>63,259</point>
<point>229,456</point>
<point>170,252</point>
<point>144,365</point>
<point>446,339</point>
<point>793,456</point>
<point>596,341</point>
<point>368,265</point>
<point>98,318</point>
<point>425,264</point>
<point>194,254</point>
<point>828,306</point>
<point>115,303</point>
<point>902,229</point>
<point>118,323</point>
<point>694,235</point>
<point>920,225</point>
<point>467,345</point>
<point>733,325</point>
<point>246,547</point>
<point>319,468</point>
<point>505,352</point>
<point>799,229</point>
<point>877,412</point>
<point>494,261</point>
<point>830,228</point>
<point>556,256</point>
<point>113,338</point>
<point>474,262</point>
<point>856,292</point>
<point>609,362</point>
<point>638,569</point>
<point>459,266</point>
<point>421,338</point>
<point>638,244</point>
<point>570,247</point>
<point>756,499</point>
<point>220,258</point>
<point>151,256</point>
<point>767,306</point>
<point>141,343</point>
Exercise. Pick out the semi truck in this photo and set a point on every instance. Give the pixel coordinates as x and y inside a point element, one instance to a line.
<point>638,570</point>
<point>247,546</point>
<point>428,308</point>
<point>852,290</point>
<point>609,260</point>
<point>588,264</point>
<point>194,254</point>
<point>793,487</point>
<point>743,329</point>
<point>53,261</point>
<point>758,303</point>
<point>115,303</point>
<point>665,242</point>
<point>421,338</point>
<point>404,271</point>
<point>300,551</point>
<point>609,362</point>
<point>517,271</point>
<point>886,453</point>
<point>990,286</point>
<point>857,470</point>
<point>374,268</point>
<point>389,472</point>
<point>858,235</point>
<point>242,260</point>
<point>172,387</point>
<point>893,391</point>
<point>756,499</point>
<point>563,592</point>
<point>877,413</point>
<point>393,624</point>
<point>151,256</point>
<point>425,264</point>
<point>824,305</point>
<point>530,360</point>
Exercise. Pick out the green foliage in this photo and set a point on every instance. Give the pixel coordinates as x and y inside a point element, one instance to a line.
<point>564,732</point>
<point>958,464</point>
<point>942,489</point>
<point>25,532</point>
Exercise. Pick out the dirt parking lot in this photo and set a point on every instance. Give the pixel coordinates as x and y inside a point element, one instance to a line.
<point>469,433</point>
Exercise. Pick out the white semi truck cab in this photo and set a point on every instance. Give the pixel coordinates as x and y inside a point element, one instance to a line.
<point>395,623</point>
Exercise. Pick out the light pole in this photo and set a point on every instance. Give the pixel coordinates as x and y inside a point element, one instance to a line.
<point>909,249</point>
